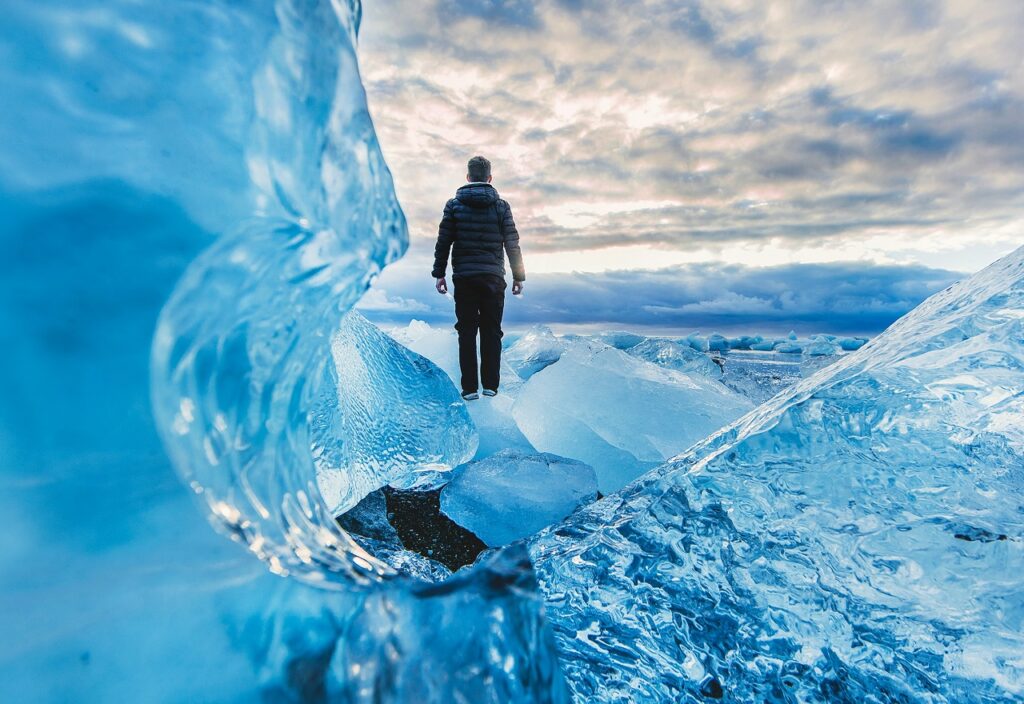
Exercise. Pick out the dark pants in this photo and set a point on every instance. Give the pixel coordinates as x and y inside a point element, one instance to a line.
<point>479,303</point>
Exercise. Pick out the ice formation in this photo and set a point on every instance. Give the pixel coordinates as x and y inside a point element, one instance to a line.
<point>219,156</point>
<point>618,413</point>
<point>492,416</point>
<point>675,355</point>
<point>852,343</point>
<point>820,346</point>
<point>512,495</point>
<point>620,339</point>
<point>388,416</point>
<point>856,539</point>
<point>859,537</point>
<point>535,349</point>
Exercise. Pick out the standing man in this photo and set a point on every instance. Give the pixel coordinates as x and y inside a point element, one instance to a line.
<point>478,229</point>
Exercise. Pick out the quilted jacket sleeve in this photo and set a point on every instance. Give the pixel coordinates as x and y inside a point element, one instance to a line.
<point>511,239</point>
<point>445,237</point>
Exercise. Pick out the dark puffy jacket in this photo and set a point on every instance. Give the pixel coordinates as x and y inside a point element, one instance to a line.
<point>478,228</point>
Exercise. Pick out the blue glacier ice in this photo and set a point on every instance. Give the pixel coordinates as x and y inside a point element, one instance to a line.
<point>388,416</point>
<point>535,349</point>
<point>859,537</point>
<point>512,495</point>
<point>214,161</point>
<point>493,417</point>
<point>191,199</point>
<point>679,356</point>
<point>620,339</point>
<point>620,414</point>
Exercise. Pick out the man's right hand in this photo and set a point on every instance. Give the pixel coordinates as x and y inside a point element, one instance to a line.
<point>517,288</point>
<point>442,286</point>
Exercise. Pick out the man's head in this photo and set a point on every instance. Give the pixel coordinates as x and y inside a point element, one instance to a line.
<point>479,170</point>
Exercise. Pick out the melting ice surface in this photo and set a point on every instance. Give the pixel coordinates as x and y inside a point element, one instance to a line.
<point>858,537</point>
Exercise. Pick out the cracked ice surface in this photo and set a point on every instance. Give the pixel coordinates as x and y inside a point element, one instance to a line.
<point>390,416</point>
<point>860,536</point>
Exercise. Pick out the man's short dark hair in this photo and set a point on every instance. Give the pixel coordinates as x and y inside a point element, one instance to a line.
<point>479,169</point>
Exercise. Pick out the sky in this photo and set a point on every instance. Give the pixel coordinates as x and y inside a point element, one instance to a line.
<point>727,165</point>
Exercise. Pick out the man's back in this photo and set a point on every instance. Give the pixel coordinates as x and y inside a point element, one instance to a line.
<point>478,228</point>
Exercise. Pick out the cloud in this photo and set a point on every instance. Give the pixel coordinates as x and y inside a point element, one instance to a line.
<point>834,297</point>
<point>377,301</point>
<point>806,123</point>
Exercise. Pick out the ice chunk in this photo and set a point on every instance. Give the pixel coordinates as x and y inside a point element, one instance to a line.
<point>743,342</point>
<point>859,534</point>
<point>697,342</point>
<point>512,494</point>
<point>619,339</point>
<point>851,344</point>
<point>369,519</point>
<point>763,345</point>
<point>717,343</point>
<point>676,355</point>
<point>820,347</point>
<point>402,421</point>
<point>492,416</point>
<point>791,347</point>
<point>618,413</point>
<point>221,153</point>
<point>535,349</point>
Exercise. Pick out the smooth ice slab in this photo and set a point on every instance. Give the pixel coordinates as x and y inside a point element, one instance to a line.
<point>857,538</point>
<point>537,348</point>
<point>400,419</point>
<point>620,414</point>
<point>512,494</point>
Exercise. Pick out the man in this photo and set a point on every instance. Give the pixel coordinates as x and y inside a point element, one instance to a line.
<point>478,229</point>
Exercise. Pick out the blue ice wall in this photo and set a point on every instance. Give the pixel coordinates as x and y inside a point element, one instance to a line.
<point>859,537</point>
<point>213,160</point>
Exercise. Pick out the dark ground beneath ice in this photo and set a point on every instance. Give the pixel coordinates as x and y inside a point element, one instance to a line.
<point>422,528</point>
<point>412,520</point>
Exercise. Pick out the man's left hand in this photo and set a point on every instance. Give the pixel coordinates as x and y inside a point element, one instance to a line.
<point>517,288</point>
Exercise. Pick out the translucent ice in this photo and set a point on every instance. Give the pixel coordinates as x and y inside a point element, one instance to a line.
<point>620,414</point>
<point>619,339</point>
<point>219,154</point>
<point>717,343</point>
<point>493,416</point>
<point>790,347</point>
<point>743,342</point>
<point>511,495</point>
<point>676,355</point>
<point>820,346</point>
<point>857,538</point>
<point>400,420</point>
<point>535,349</point>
